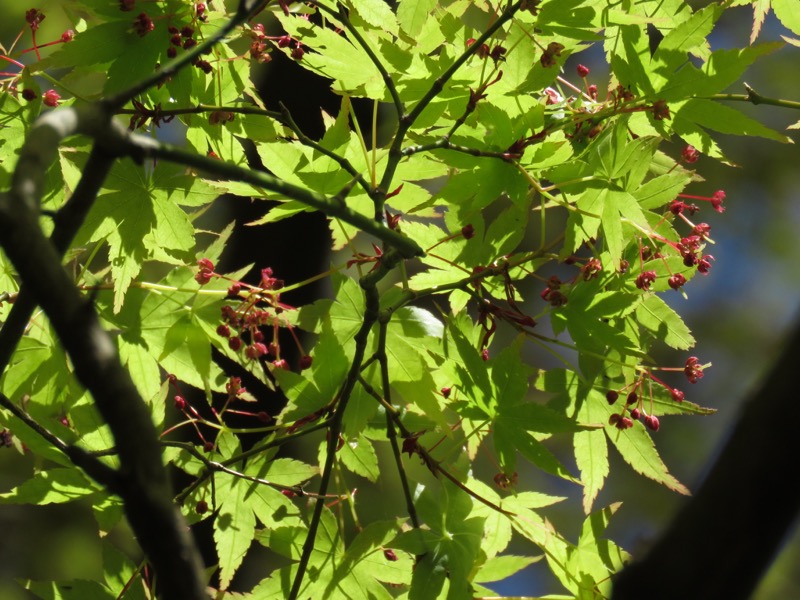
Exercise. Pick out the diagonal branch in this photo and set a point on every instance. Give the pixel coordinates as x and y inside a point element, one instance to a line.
<point>68,221</point>
<point>144,485</point>
<point>90,464</point>
<point>141,147</point>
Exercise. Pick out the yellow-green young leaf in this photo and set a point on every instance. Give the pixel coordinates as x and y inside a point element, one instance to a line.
<point>637,448</point>
<point>146,376</point>
<point>596,559</point>
<point>345,313</point>
<point>359,456</point>
<point>497,528</point>
<point>454,545</point>
<point>55,486</point>
<point>234,525</point>
<point>508,440</point>
<point>689,36</point>
<point>337,58</point>
<point>787,13</point>
<point>662,189</point>
<point>75,590</point>
<point>591,457</point>
<point>412,15</point>
<point>760,10</point>
<point>725,119</point>
<point>723,68</point>
<point>502,567</point>
<point>377,13</point>
<point>657,317</point>
<point>283,471</point>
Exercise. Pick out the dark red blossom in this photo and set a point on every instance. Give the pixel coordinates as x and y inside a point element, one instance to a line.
<point>690,154</point>
<point>549,55</point>
<point>677,281</point>
<point>591,269</point>
<point>34,17</point>
<point>645,279</point>
<point>50,98</point>
<point>143,24</point>
<point>660,110</point>
<point>716,201</point>
<point>693,369</point>
<point>704,264</point>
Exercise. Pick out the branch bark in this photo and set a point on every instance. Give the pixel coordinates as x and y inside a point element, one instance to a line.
<point>142,482</point>
<point>723,540</point>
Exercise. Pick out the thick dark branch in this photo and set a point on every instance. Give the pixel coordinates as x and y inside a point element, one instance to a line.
<point>722,541</point>
<point>68,221</point>
<point>143,483</point>
<point>144,487</point>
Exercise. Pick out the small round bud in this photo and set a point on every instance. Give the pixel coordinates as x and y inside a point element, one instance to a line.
<point>651,422</point>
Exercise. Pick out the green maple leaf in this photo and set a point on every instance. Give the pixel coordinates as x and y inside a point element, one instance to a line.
<point>139,215</point>
<point>335,571</point>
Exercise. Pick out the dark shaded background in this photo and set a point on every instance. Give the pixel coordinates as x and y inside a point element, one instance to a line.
<point>739,314</point>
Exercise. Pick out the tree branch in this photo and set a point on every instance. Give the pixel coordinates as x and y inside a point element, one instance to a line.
<point>755,98</point>
<point>68,221</point>
<point>143,482</point>
<point>142,147</point>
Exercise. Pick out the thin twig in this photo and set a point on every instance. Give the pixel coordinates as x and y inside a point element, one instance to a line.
<point>362,336</point>
<point>390,428</point>
<point>755,98</point>
<point>96,469</point>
